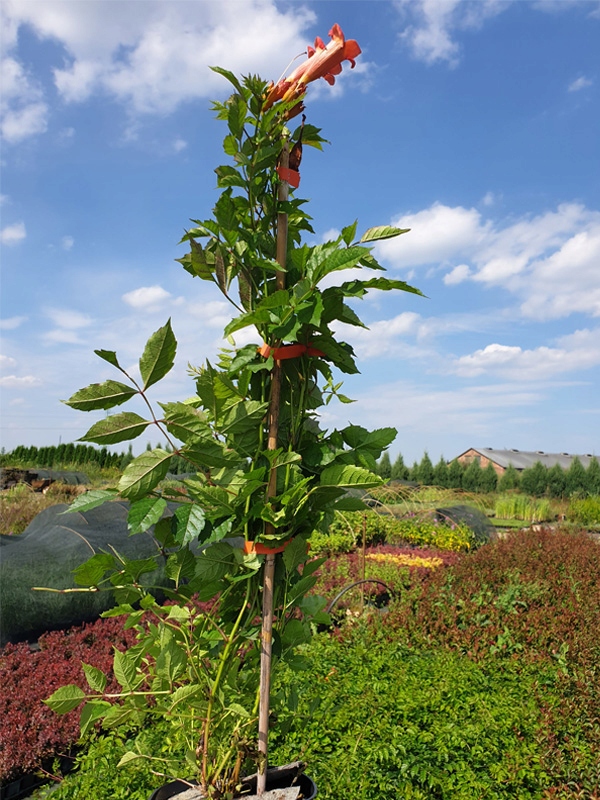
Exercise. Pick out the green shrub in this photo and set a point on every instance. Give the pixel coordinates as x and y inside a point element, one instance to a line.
<point>346,532</point>
<point>377,720</point>
<point>586,511</point>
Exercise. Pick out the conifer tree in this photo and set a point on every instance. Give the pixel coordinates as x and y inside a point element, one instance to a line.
<point>425,471</point>
<point>384,466</point>
<point>557,481</point>
<point>510,479</point>
<point>440,473</point>
<point>472,478</point>
<point>534,480</point>
<point>399,469</point>
<point>576,478</point>
<point>455,475</point>
<point>489,479</point>
<point>592,475</point>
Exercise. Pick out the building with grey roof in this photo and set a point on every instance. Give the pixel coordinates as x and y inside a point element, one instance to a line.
<point>520,459</point>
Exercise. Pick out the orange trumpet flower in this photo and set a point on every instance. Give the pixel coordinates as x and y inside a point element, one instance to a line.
<point>322,62</point>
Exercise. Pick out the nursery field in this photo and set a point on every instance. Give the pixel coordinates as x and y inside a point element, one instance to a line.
<point>478,678</point>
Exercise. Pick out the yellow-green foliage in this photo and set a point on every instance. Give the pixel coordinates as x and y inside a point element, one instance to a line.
<point>519,506</point>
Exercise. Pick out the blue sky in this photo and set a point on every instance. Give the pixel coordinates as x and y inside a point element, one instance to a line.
<point>476,124</point>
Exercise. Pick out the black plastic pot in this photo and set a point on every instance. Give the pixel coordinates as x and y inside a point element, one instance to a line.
<point>275,780</point>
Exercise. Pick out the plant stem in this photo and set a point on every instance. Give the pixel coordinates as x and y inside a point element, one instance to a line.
<point>273,421</point>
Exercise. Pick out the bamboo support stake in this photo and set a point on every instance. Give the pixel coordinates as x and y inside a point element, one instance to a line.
<point>269,574</point>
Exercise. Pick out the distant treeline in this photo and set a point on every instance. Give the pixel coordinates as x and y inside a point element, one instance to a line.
<point>537,480</point>
<point>66,454</point>
<point>80,455</point>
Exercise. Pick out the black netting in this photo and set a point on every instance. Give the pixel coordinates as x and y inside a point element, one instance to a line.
<point>45,555</point>
<point>472,517</point>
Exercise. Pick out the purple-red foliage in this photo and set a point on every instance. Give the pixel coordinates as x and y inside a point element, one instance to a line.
<point>534,594</point>
<point>30,732</point>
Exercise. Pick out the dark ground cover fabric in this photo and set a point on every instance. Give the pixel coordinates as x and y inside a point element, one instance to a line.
<point>46,553</point>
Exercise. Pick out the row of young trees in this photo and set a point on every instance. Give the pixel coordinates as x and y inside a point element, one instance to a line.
<point>537,480</point>
<point>66,455</point>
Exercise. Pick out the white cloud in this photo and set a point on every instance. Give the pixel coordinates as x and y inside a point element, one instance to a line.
<point>67,242</point>
<point>489,199</point>
<point>580,83</point>
<point>66,318</point>
<point>153,56</point>
<point>10,323</point>
<point>437,235</point>
<point>549,262</point>
<point>431,25</point>
<point>7,361</point>
<point>179,145</point>
<point>150,298</point>
<point>13,234</point>
<point>577,351</point>
<point>15,382</point>
<point>23,112</point>
<point>457,275</point>
<point>62,336</point>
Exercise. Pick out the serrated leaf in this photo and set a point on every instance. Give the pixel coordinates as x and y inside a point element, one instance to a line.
<point>110,356</point>
<point>101,396</point>
<point>125,670</point>
<point>295,554</point>
<point>349,476</point>
<point>382,232</point>
<point>185,422</point>
<point>185,693</point>
<point>144,513</point>
<point>214,562</point>
<point>91,499</point>
<point>144,473</point>
<point>349,232</point>
<point>236,708</point>
<point>95,677</point>
<point>350,504</point>
<point>159,355</point>
<point>65,699</point>
<point>129,757</point>
<point>91,572</point>
<point>190,521</point>
<point>116,428</point>
<point>91,713</point>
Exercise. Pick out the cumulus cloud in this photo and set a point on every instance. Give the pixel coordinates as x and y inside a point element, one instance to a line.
<point>23,111</point>
<point>549,262</point>
<point>16,382</point>
<point>150,298</point>
<point>577,351</point>
<point>153,56</point>
<point>13,234</point>
<point>431,25</point>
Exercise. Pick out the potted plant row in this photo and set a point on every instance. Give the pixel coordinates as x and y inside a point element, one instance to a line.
<point>235,534</point>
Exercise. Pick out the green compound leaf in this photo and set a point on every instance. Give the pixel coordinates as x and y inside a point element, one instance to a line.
<point>159,355</point>
<point>190,523</point>
<point>348,476</point>
<point>382,232</point>
<point>92,499</point>
<point>118,428</point>
<point>65,699</point>
<point>144,473</point>
<point>99,396</point>
<point>95,677</point>
<point>144,513</point>
<point>110,356</point>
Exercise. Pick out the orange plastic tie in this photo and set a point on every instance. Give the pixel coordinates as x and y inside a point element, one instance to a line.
<point>289,351</point>
<point>289,176</point>
<point>263,549</point>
